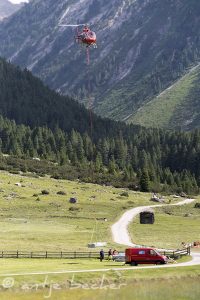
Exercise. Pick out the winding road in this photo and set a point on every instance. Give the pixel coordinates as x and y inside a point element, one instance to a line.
<point>120,228</point>
<point>121,236</point>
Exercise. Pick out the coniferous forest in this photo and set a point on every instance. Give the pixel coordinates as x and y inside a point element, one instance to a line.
<point>36,122</point>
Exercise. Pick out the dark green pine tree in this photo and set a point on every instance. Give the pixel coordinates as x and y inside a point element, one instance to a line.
<point>98,162</point>
<point>112,166</point>
<point>144,181</point>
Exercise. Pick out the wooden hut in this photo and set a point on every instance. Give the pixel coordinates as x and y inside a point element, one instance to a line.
<point>147,217</point>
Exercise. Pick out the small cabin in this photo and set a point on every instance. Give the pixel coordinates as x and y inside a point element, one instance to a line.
<point>147,217</point>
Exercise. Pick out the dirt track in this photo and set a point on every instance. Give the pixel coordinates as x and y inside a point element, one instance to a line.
<point>121,236</point>
<point>120,228</point>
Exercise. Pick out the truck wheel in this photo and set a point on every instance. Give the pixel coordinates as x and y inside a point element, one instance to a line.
<point>133,263</point>
<point>158,262</point>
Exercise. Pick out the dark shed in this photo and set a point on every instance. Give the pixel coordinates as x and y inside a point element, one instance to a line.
<point>147,217</point>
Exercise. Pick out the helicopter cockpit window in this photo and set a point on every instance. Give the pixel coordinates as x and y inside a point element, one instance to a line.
<point>92,34</point>
<point>83,35</point>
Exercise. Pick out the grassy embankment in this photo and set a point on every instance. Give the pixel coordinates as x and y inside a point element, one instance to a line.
<point>173,225</point>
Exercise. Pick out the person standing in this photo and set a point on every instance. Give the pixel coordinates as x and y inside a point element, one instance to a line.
<point>110,254</point>
<point>101,255</point>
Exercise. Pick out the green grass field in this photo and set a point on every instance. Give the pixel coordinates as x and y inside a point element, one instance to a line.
<point>173,225</point>
<point>52,223</point>
<point>173,284</point>
<point>24,266</point>
<point>31,221</point>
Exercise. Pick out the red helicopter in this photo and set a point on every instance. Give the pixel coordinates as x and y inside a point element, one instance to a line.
<point>85,37</point>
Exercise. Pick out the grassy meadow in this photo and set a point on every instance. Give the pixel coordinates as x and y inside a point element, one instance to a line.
<point>173,225</point>
<point>172,284</point>
<point>31,221</point>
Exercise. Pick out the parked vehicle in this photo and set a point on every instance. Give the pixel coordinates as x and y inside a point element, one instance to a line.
<point>135,256</point>
<point>120,257</point>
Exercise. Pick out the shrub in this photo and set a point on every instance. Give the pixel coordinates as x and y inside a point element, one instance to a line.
<point>124,194</point>
<point>130,202</point>
<point>197,205</point>
<point>74,208</point>
<point>61,193</point>
<point>124,207</point>
<point>56,176</point>
<point>45,192</point>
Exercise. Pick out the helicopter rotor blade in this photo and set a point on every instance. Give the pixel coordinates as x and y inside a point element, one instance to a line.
<point>71,25</point>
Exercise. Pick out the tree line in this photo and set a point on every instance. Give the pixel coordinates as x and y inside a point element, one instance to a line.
<point>55,128</point>
<point>152,159</point>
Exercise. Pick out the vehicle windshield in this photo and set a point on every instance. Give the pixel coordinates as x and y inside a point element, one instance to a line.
<point>154,252</point>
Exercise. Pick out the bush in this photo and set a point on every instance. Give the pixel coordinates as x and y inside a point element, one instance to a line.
<point>124,194</point>
<point>56,176</point>
<point>74,208</point>
<point>45,192</point>
<point>130,202</point>
<point>125,207</point>
<point>197,205</point>
<point>61,193</point>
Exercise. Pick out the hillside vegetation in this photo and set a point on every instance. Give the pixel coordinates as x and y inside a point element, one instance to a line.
<point>54,128</point>
<point>175,108</point>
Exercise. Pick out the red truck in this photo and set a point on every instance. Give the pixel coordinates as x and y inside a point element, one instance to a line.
<point>135,256</point>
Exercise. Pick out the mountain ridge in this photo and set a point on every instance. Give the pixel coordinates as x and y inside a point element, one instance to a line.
<point>7,8</point>
<point>143,47</point>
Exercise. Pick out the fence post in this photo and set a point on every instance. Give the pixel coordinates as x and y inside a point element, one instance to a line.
<point>17,254</point>
<point>61,254</point>
<point>31,254</point>
<point>2,254</point>
<point>74,254</point>
<point>46,254</point>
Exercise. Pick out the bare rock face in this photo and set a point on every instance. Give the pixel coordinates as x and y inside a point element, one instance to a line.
<point>7,8</point>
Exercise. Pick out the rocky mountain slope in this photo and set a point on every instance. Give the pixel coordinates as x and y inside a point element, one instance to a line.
<point>143,47</point>
<point>177,107</point>
<point>7,8</point>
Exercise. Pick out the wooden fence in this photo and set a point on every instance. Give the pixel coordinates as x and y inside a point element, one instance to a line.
<point>76,254</point>
<point>176,253</point>
<point>48,254</point>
